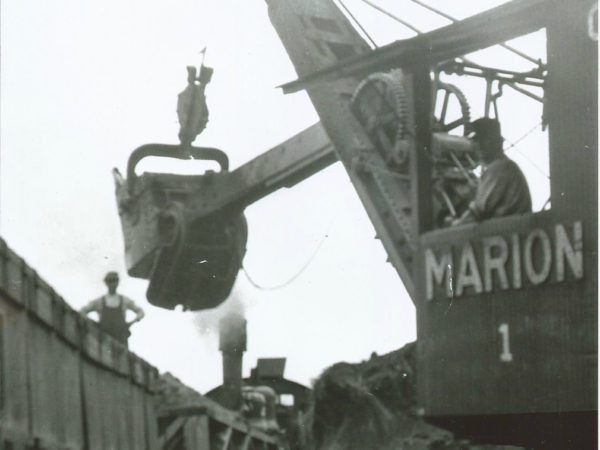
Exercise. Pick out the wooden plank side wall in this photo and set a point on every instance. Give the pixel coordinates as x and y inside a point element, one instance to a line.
<point>137,418</point>
<point>15,409</point>
<point>63,383</point>
<point>93,413</point>
<point>70,401</point>
<point>42,377</point>
<point>150,424</point>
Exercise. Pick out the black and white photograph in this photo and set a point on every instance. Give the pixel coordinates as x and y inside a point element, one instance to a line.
<point>298,225</point>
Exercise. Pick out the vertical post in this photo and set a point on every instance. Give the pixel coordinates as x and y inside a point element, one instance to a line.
<point>421,160</point>
<point>196,433</point>
<point>571,109</point>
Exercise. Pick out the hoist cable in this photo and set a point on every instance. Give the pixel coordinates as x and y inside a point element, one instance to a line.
<point>292,279</point>
<point>449,17</point>
<point>389,14</point>
<point>454,20</point>
<point>357,23</point>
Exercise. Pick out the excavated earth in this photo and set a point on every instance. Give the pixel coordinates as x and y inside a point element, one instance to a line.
<point>372,405</point>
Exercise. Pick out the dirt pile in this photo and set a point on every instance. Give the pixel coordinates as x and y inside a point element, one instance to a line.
<point>372,405</point>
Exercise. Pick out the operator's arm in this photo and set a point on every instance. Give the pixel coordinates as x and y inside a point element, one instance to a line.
<point>93,306</point>
<point>489,192</point>
<point>467,217</point>
<point>130,305</point>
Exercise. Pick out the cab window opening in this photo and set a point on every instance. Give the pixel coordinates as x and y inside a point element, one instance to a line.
<point>489,85</point>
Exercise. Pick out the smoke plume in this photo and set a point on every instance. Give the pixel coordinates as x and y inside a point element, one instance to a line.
<point>207,322</point>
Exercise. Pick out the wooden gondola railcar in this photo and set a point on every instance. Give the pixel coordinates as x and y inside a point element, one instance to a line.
<point>64,383</point>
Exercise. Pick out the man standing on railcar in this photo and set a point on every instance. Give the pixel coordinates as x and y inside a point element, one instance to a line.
<point>502,189</point>
<point>112,310</point>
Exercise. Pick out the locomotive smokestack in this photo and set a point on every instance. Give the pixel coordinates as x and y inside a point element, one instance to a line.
<point>232,343</point>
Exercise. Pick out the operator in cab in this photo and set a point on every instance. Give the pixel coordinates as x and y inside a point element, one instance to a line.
<point>502,189</point>
<point>112,310</point>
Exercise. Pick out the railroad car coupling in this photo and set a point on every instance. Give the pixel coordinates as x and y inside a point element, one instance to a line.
<point>191,258</point>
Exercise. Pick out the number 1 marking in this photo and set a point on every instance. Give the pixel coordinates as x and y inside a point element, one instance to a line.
<point>506,355</point>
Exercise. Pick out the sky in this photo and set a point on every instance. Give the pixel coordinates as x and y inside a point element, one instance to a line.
<point>84,83</point>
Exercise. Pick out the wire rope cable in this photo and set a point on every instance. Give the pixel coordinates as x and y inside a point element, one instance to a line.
<point>513,146</point>
<point>300,271</point>
<point>389,14</point>
<point>453,19</point>
<point>293,278</point>
<point>353,17</point>
<point>448,17</point>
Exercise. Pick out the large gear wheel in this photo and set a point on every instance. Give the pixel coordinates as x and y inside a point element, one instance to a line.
<point>445,121</point>
<point>380,105</point>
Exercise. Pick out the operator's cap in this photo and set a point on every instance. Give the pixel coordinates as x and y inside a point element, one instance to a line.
<point>485,127</point>
<point>111,276</point>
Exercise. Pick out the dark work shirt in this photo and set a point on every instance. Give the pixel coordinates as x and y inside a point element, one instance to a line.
<point>502,191</point>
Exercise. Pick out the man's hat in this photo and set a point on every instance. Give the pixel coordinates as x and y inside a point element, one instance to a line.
<point>485,127</point>
<point>111,276</point>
